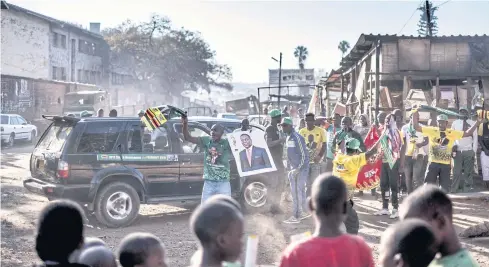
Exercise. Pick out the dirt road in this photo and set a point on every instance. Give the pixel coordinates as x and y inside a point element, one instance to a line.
<point>20,208</point>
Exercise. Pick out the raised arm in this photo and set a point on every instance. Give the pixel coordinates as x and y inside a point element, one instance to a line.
<point>471,130</point>
<point>186,134</point>
<point>373,150</point>
<point>416,125</point>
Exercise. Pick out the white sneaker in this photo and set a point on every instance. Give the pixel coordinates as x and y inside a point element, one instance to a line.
<point>394,214</point>
<point>382,212</point>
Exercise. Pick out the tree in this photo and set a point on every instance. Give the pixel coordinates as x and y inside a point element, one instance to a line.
<point>423,20</point>
<point>343,46</point>
<point>177,59</point>
<point>301,54</point>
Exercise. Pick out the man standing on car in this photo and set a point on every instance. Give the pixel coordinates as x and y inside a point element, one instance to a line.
<point>275,141</point>
<point>216,160</point>
<point>245,126</point>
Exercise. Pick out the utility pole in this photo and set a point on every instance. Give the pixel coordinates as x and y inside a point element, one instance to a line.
<point>279,77</point>
<point>428,18</point>
<point>279,80</point>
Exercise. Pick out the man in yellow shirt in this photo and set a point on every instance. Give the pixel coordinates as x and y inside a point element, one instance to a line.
<point>347,166</point>
<point>440,142</point>
<point>315,138</point>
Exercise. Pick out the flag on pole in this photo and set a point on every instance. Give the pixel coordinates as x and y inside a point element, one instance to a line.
<point>153,118</point>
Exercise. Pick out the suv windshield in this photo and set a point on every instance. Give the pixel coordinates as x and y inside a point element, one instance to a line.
<point>55,137</point>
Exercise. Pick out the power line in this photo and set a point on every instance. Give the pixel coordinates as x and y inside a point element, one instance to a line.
<point>416,9</point>
<point>443,3</point>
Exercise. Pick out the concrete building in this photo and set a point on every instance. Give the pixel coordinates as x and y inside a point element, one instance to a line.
<point>40,47</point>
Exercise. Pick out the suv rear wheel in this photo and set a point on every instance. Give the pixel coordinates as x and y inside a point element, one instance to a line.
<point>255,195</point>
<point>117,205</point>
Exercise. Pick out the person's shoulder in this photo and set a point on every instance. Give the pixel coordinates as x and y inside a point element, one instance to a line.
<point>303,130</point>
<point>358,240</point>
<point>298,247</point>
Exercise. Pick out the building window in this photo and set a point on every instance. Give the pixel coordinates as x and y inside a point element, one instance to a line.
<point>55,73</point>
<point>86,47</point>
<point>79,77</point>
<point>99,77</point>
<point>93,77</point>
<point>55,39</point>
<point>63,41</point>
<point>63,74</point>
<point>87,76</point>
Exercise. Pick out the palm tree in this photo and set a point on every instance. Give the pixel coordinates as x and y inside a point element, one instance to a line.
<point>343,46</point>
<point>301,54</point>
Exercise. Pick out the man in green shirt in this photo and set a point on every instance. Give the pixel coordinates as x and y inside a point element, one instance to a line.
<point>216,160</point>
<point>432,204</point>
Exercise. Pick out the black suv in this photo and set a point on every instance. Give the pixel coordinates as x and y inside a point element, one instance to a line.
<point>115,164</point>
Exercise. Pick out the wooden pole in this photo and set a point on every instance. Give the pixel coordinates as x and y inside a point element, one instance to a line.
<point>377,80</point>
<point>405,91</point>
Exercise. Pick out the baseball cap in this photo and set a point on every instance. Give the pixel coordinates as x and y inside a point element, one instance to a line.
<point>141,111</point>
<point>442,117</point>
<point>286,120</point>
<point>84,113</point>
<point>353,143</point>
<point>275,113</point>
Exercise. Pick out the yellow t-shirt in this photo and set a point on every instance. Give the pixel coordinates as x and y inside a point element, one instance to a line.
<point>441,148</point>
<point>314,140</point>
<point>347,168</point>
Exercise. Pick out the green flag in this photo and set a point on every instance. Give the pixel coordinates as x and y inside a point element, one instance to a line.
<point>388,155</point>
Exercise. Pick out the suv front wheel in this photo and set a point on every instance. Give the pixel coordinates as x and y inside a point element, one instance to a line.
<point>117,205</point>
<point>255,195</point>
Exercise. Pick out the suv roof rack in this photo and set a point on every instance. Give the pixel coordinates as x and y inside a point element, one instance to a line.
<point>60,118</point>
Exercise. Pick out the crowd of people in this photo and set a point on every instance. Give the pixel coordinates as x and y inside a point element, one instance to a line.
<point>322,163</point>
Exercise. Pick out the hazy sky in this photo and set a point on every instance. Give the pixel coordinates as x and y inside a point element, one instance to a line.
<point>245,34</point>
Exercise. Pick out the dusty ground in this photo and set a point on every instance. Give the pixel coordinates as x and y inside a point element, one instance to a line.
<point>19,210</point>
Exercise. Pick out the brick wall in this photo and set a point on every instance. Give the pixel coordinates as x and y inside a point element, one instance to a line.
<point>25,45</point>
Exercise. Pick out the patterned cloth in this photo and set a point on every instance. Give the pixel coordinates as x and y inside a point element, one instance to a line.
<point>216,159</point>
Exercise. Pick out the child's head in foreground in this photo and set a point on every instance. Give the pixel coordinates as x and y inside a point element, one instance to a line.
<point>329,198</point>
<point>409,243</point>
<point>97,256</point>
<point>141,250</point>
<point>219,226</point>
<point>433,205</point>
<point>60,231</point>
<point>87,243</point>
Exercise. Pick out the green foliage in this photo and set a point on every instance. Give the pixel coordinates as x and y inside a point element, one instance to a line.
<point>178,59</point>
<point>343,46</point>
<point>301,54</point>
<point>423,20</point>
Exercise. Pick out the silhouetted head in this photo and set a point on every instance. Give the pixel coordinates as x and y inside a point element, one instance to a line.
<point>219,227</point>
<point>142,250</point>
<point>113,113</point>
<point>329,198</point>
<point>98,256</point>
<point>310,120</point>
<point>60,231</point>
<point>409,243</point>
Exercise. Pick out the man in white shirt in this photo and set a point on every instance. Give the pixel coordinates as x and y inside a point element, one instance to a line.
<point>464,159</point>
<point>416,159</point>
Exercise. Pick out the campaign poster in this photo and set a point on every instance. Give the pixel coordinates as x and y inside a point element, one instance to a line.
<point>251,152</point>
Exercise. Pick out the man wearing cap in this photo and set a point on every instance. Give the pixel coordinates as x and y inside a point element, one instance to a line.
<point>100,113</point>
<point>298,165</point>
<point>275,141</point>
<point>464,160</point>
<point>347,166</point>
<point>440,142</point>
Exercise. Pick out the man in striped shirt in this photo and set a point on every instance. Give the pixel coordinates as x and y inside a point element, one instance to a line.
<point>298,165</point>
